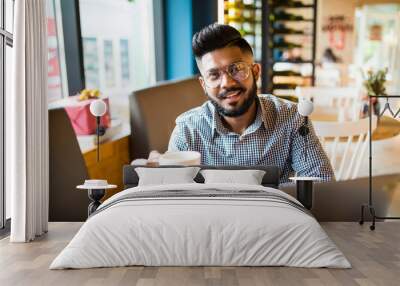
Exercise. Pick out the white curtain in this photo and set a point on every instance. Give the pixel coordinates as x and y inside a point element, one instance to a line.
<point>27,124</point>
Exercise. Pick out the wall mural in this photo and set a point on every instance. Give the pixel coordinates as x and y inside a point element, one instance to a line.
<point>337,26</point>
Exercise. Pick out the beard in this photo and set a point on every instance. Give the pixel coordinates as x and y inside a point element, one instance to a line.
<point>239,110</point>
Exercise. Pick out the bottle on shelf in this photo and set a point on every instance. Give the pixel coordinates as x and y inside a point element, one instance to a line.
<point>285,62</point>
<point>285,73</point>
<point>280,28</point>
<point>289,4</point>
<point>284,86</point>
<point>246,17</point>
<point>284,45</point>
<point>239,5</point>
<point>240,18</point>
<point>279,42</point>
<point>281,15</point>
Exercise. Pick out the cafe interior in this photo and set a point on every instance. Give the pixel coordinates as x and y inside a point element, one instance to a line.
<point>343,56</point>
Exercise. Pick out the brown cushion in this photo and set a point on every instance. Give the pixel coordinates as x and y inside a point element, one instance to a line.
<point>154,110</point>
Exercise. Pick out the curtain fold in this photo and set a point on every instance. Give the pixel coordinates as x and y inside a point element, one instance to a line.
<point>27,122</point>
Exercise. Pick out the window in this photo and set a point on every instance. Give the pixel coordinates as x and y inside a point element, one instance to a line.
<point>109,71</point>
<point>118,49</point>
<point>378,41</point>
<point>57,82</point>
<point>118,45</point>
<point>91,62</point>
<point>125,65</point>
<point>6,43</point>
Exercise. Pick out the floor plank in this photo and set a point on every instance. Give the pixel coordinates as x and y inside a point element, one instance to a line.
<point>375,257</point>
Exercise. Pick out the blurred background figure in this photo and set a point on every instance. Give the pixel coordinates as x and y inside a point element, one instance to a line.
<point>329,57</point>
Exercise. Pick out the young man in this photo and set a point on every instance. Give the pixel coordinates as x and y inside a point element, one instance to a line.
<point>237,127</point>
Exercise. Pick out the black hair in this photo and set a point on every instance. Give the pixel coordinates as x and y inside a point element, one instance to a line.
<point>330,56</point>
<point>217,36</point>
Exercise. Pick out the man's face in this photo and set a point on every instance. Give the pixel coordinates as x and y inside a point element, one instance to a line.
<point>231,96</point>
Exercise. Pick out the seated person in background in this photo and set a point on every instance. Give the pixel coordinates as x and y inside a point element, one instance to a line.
<point>237,127</point>
<point>329,57</point>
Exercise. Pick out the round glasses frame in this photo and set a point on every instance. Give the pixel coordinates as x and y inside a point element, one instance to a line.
<point>239,71</point>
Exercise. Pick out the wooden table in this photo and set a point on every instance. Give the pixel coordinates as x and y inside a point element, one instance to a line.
<point>388,127</point>
<point>341,200</point>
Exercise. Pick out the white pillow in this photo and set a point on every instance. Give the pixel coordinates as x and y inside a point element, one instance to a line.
<point>248,177</point>
<point>165,176</point>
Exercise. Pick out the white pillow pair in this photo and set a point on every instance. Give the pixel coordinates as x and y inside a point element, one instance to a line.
<point>162,176</point>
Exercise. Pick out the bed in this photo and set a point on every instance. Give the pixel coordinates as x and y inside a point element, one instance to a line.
<point>201,224</point>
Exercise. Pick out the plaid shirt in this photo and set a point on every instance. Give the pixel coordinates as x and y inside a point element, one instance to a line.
<point>272,139</point>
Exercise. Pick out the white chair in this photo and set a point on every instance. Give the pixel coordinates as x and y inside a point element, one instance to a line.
<point>345,144</point>
<point>328,75</point>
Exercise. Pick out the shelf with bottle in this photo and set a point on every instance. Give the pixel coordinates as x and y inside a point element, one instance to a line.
<point>279,28</point>
<point>285,46</point>
<point>292,80</point>
<point>240,5</point>
<point>298,61</point>
<point>283,33</point>
<point>295,51</point>
<point>284,86</point>
<point>285,73</point>
<point>241,19</point>
<point>291,3</point>
<point>239,12</point>
<point>284,92</point>
<point>289,58</point>
<point>291,20</point>
<point>285,81</point>
<point>246,17</point>
<point>280,15</point>
<point>294,55</point>
<point>288,79</point>
<point>280,43</point>
<point>304,6</point>
<point>245,28</point>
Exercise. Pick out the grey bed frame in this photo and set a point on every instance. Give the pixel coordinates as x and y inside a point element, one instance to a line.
<point>270,179</point>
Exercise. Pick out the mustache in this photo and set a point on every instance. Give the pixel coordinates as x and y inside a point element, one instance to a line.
<point>224,94</point>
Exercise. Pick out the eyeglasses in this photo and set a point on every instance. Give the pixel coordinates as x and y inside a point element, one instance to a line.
<point>239,71</point>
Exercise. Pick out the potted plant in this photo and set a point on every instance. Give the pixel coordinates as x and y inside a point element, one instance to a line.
<point>374,84</point>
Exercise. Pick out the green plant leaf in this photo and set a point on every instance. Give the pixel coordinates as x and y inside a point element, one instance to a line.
<point>374,82</point>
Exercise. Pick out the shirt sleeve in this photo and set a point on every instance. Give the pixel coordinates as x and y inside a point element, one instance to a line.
<point>317,163</point>
<point>178,140</point>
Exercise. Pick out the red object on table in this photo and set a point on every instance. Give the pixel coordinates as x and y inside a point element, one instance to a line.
<point>83,122</point>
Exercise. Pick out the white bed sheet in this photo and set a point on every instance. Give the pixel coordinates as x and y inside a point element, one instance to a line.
<point>200,231</point>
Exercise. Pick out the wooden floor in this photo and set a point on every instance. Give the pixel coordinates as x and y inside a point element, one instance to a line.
<point>374,255</point>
